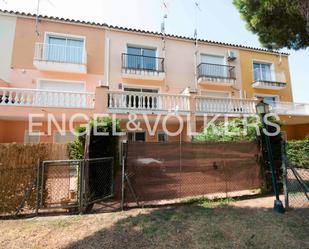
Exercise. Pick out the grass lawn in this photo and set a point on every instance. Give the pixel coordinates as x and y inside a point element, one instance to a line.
<point>198,224</point>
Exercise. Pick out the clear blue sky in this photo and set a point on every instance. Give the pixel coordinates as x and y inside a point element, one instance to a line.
<point>217,20</point>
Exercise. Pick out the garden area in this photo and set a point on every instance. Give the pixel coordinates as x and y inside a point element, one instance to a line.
<point>199,223</point>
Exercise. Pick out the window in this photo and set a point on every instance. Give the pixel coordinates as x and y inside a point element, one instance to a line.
<point>162,136</point>
<point>262,71</point>
<point>64,49</point>
<point>214,66</point>
<point>141,58</point>
<point>212,59</point>
<point>58,85</point>
<point>33,138</point>
<point>216,94</point>
<point>137,136</point>
<point>64,100</point>
<point>269,99</point>
<point>143,90</point>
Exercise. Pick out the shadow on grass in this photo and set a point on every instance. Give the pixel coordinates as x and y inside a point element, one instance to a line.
<point>203,225</point>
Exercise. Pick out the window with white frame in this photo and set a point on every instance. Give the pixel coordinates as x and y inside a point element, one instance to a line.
<point>137,136</point>
<point>141,58</point>
<point>33,137</point>
<point>59,85</point>
<point>216,94</point>
<point>269,99</point>
<point>64,99</point>
<point>212,59</point>
<point>213,65</point>
<point>60,48</point>
<point>262,71</point>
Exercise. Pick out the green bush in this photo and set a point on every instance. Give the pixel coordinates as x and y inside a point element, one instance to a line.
<point>298,152</point>
<point>217,132</point>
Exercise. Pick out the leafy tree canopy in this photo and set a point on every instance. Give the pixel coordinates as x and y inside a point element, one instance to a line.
<point>278,23</point>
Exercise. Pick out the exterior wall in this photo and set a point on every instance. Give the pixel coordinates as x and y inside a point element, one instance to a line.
<point>247,58</point>
<point>7,32</point>
<point>179,62</point>
<point>2,132</point>
<point>24,74</point>
<point>296,132</point>
<point>14,131</point>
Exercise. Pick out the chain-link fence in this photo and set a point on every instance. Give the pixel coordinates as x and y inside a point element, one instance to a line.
<point>56,185</point>
<point>297,184</point>
<point>162,171</point>
<point>59,184</point>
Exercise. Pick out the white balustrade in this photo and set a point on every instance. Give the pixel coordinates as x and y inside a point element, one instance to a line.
<point>45,98</point>
<point>290,108</point>
<point>153,102</point>
<point>224,105</point>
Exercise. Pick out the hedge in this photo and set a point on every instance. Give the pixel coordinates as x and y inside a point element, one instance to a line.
<point>298,153</point>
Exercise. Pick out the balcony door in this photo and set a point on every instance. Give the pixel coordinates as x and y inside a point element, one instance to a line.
<point>262,71</point>
<point>144,101</point>
<point>214,65</point>
<point>64,49</point>
<point>215,94</point>
<point>66,93</point>
<point>141,58</point>
<point>269,99</point>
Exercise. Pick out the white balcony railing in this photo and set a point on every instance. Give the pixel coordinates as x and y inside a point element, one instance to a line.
<point>59,58</point>
<point>272,79</point>
<point>290,108</point>
<point>45,98</point>
<point>224,105</point>
<point>60,53</point>
<point>147,102</point>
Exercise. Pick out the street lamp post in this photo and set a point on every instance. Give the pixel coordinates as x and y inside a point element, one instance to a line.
<point>262,109</point>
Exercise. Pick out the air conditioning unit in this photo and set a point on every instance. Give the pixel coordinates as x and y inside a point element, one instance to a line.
<point>231,55</point>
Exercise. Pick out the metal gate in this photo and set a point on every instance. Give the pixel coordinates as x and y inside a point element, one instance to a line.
<point>297,187</point>
<point>74,184</point>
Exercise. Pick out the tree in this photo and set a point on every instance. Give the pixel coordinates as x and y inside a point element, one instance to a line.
<point>278,23</point>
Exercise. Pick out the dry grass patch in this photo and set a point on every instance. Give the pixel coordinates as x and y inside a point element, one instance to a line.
<point>188,226</point>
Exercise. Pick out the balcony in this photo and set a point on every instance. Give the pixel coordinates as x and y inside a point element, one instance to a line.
<point>290,108</point>
<point>215,74</point>
<point>142,67</point>
<point>205,105</point>
<point>269,80</point>
<point>45,98</point>
<point>59,58</point>
<point>151,103</point>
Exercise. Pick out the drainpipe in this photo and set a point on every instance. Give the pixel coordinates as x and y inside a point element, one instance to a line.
<point>107,61</point>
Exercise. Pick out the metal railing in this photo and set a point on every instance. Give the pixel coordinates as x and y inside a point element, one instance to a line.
<point>216,71</point>
<point>269,77</point>
<point>45,98</point>
<point>60,53</point>
<point>147,101</point>
<point>225,105</point>
<point>142,62</point>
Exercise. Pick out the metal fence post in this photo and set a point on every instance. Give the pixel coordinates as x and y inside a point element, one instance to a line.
<point>81,185</point>
<point>123,161</point>
<point>37,189</point>
<point>284,171</point>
